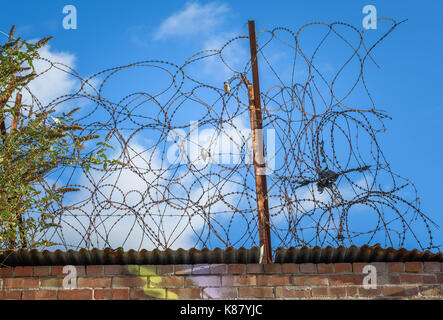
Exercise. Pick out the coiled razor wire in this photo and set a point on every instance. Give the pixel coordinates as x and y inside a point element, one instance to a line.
<point>186,177</point>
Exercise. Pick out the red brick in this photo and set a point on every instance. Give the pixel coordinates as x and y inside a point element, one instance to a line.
<point>380,266</point>
<point>383,279</point>
<point>292,292</point>
<point>272,268</point>
<point>254,268</point>
<point>239,280</point>
<point>166,282</point>
<point>220,293</point>
<point>94,282</point>
<point>273,280</point>
<point>52,283</point>
<point>325,268</point>
<point>128,281</point>
<point>396,267</point>
<point>94,270</point>
<point>346,279</point>
<point>113,269</point>
<point>414,266</point>
<point>256,292</point>
<point>75,294</point>
<point>429,279</point>
<point>328,291</point>
<point>24,283</point>
<point>111,294</point>
<point>201,269</point>
<point>357,267</point>
<point>39,295</point>
<point>439,277</point>
<point>130,270</point>
<point>362,292</point>
<point>10,294</point>
<point>394,279</point>
<point>311,280</point>
<point>182,269</point>
<point>203,281</point>
<point>342,267</point>
<point>352,291</point>
<point>40,271</point>
<point>393,298</point>
<point>431,266</point>
<point>236,268</point>
<point>23,271</point>
<point>147,270</point>
<point>165,269</point>
<point>400,290</point>
<point>58,271</point>
<point>434,291</point>
<point>308,268</point>
<point>218,268</point>
<point>289,268</point>
<point>184,293</point>
<point>6,272</point>
<point>148,293</point>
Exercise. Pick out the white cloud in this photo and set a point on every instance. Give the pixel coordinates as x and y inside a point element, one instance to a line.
<point>128,208</point>
<point>235,56</point>
<point>195,19</point>
<point>123,209</point>
<point>55,82</point>
<point>208,27</point>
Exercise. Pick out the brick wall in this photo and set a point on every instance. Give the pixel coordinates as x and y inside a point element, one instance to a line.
<point>397,280</point>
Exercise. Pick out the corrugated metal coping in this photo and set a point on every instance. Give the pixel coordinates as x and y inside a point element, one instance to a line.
<point>229,255</point>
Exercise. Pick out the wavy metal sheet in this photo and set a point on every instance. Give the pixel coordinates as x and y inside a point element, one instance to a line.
<point>229,255</point>
<point>118,256</point>
<point>353,254</point>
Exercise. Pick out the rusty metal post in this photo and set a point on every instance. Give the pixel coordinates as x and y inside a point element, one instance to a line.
<point>258,150</point>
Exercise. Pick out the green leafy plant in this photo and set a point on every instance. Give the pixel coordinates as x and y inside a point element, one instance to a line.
<point>32,147</point>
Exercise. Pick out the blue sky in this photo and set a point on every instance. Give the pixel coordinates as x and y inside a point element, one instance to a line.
<point>112,33</point>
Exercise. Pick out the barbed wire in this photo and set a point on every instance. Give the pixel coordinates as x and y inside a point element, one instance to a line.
<point>188,178</point>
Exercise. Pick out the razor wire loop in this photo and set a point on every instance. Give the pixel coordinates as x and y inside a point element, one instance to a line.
<point>329,165</point>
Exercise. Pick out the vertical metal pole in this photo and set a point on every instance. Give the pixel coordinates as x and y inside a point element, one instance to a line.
<point>258,149</point>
